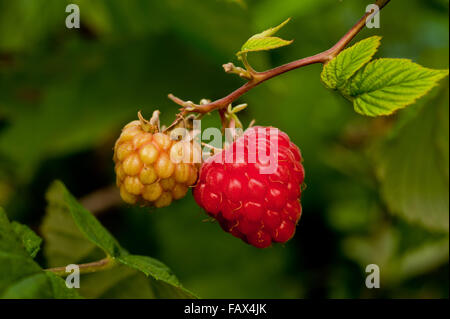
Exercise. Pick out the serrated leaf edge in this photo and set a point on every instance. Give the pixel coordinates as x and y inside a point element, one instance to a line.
<point>444,73</point>
<point>376,38</point>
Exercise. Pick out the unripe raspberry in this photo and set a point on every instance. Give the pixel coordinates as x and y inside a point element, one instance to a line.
<point>254,196</point>
<point>145,170</point>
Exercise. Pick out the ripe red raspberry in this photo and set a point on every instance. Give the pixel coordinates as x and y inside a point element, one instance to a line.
<point>258,206</point>
<point>150,167</point>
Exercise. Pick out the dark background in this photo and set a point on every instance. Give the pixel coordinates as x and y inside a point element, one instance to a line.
<point>377,189</point>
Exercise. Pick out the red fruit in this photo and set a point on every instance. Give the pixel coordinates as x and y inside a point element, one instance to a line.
<point>254,194</point>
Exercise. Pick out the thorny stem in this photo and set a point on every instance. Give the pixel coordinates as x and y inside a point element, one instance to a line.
<point>259,77</point>
<point>95,266</point>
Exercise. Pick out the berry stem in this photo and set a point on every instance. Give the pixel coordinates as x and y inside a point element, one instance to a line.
<point>259,77</point>
<point>91,267</point>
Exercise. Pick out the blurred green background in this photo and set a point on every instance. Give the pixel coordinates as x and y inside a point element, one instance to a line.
<point>377,189</point>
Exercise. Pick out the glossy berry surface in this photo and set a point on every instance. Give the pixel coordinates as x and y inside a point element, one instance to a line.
<point>146,172</point>
<point>253,187</point>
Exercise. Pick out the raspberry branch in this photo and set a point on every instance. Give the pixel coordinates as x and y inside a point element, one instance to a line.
<point>255,78</point>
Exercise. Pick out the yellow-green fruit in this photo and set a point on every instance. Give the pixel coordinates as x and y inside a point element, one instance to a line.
<point>146,170</point>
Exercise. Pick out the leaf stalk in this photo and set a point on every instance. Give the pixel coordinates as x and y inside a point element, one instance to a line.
<point>102,264</point>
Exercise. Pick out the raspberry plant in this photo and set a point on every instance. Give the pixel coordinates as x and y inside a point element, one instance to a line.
<point>265,211</point>
<point>375,87</point>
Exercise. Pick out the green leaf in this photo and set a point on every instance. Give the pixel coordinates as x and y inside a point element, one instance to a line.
<point>423,259</point>
<point>264,41</point>
<point>154,268</point>
<point>59,288</point>
<point>86,222</point>
<point>61,201</point>
<point>413,182</point>
<point>150,267</point>
<point>125,282</point>
<point>44,285</point>
<point>378,248</point>
<point>398,263</point>
<point>64,242</point>
<point>30,240</point>
<point>271,31</point>
<point>15,261</point>
<point>337,71</point>
<point>118,282</point>
<point>21,276</point>
<point>263,44</point>
<point>386,85</point>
